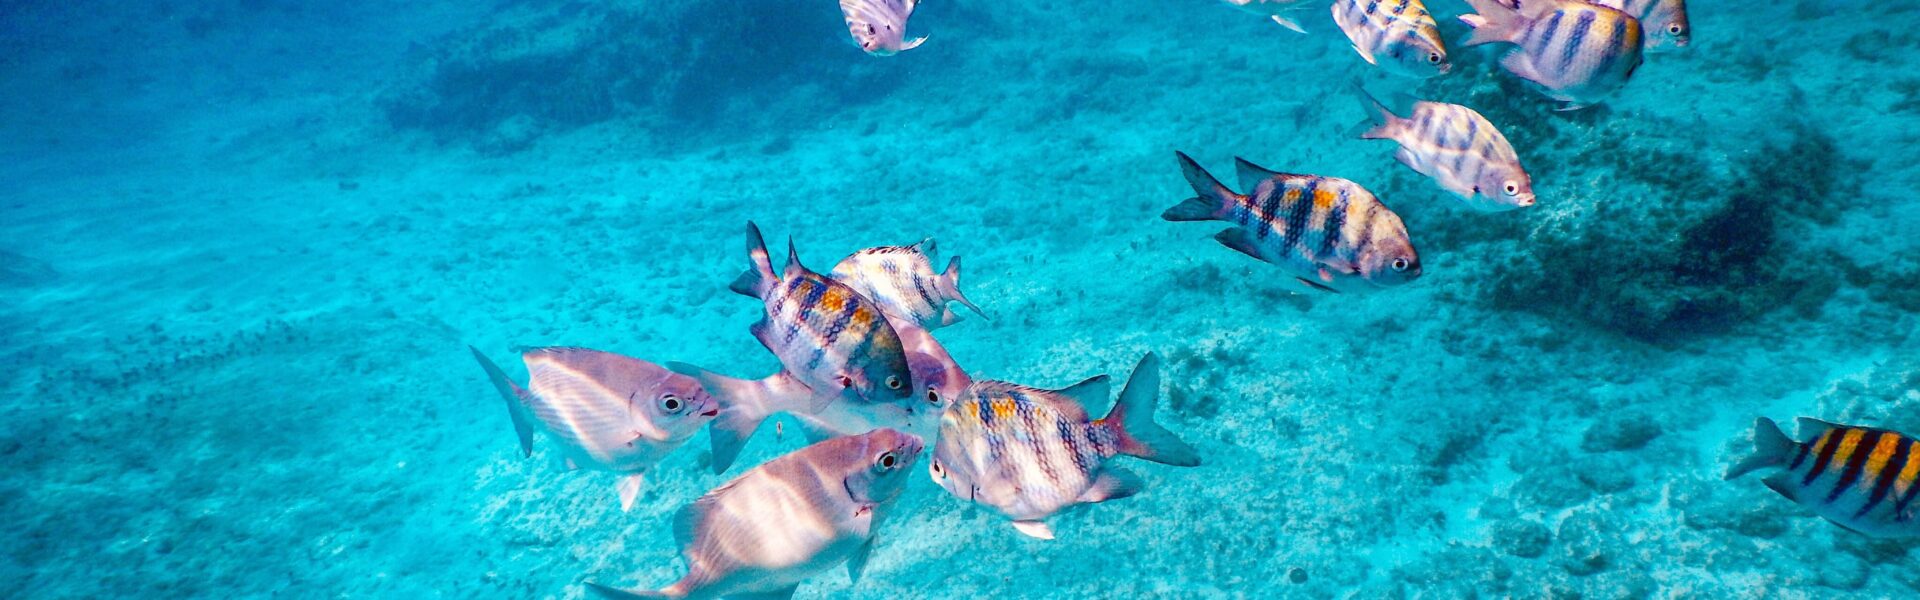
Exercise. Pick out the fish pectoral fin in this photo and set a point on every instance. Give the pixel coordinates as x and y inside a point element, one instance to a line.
<point>779,594</point>
<point>1113,484</point>
<point>1782,482</point>
<point>629,490</point>
<point>1288,23</point>
<point>1034,529</point>
<point>1316,286</point>
<point>857,563</point>
<point>1240,240</point>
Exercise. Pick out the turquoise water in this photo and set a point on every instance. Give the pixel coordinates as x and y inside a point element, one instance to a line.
<point>247,243</point>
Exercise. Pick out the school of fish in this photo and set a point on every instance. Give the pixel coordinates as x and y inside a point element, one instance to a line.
<point>864,378</point>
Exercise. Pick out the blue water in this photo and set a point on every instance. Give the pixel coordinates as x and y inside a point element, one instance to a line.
<point>246,243</point>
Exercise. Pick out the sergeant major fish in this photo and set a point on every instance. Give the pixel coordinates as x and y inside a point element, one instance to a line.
<point>1399,35</point>
<point>1576,53</point>
<point>1458,148</point>
<point>1860,478</point>
<point>1029,453</point>
<point>936,381</point>
<point>1329,233</point>
<point>834,345</point>
<point>1276,10</point>
<point>880,26</point>
<point>798,515</point>
<point>1663,21</point>
<point>606,411</point>
<point>902,281</point>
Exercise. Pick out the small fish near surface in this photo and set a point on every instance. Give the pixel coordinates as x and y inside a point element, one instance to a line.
<point>880,26</point>
<point>1575,52</point>
<point>902,281</point>
<point>1398,35</point>
<point>834,345</point>
<point>1329,233</point>
<point>1277,10</point>
<point>763,533</point>
<point>1860,478</point>
<point>606,411</point>
<point>1029,453</point>
<point>1458,148</point>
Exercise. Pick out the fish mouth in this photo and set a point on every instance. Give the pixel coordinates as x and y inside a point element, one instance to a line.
<point>711,413</point>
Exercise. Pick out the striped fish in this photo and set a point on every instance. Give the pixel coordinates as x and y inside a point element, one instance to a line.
<point>606,411</point>
<point>1664,21</point>
<point>880,26</point>
<point>1399,35</point>
<point>834,345</point>
<point>794,517</point>
<point>1030,453</point>
<point>1458,148</point>
<point>1330,233</point>
<point>1577,53</point>
<point>1276,10</point>
<point>936,381</point>
<point>1860,478</point>
<point>902,280</point>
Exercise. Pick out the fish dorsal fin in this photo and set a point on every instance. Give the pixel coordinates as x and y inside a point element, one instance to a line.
<point>686,522</point>
<point>925,247</point>
<point>1251,174</point>
<point>1057,400</point>
<point>1088,397</point>
<point>1811,428</point>
<point>794,268</point>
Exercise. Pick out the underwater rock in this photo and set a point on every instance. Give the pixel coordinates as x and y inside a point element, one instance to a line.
<point>18,270</point>
<point>1886,396</point>
<point>1521,538</point>
<point>1617,431</point>
<point>1587,540</point>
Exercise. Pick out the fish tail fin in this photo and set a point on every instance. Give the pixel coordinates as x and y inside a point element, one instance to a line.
<point>1211,197</point>
<point>759,276</point>
<point>516,398</point>
<point>744,403</point>
<point>610,593</point>
<point>1771,447</point>
<point>1493,21</point>
<point>1379,116</point>
<point>1132,419</point>
<point>950,281</point>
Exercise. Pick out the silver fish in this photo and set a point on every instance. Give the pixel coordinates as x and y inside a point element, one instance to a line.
<point>880,26</point>
<point>1458,148</point>
<point>1030,453</point>
<point>1576,53</point>
<point>1330,234</point>
<point>835,347</point>
<point>771,528</point>
<point>606,411</point>
<point>902,281</point>
<point>1277,10</point>
<point>1399,35</point>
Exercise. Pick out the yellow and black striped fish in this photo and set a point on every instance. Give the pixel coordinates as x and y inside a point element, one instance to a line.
<point>1329,233</point>
<point>1399,35</point>
<point>1861,478</point>
<point>1575,52</point>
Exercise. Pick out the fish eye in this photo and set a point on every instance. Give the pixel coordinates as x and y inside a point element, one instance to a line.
<point>939,471</point>
<point>887,461</point>
<point>1401,264</point>
<point>671,403</point>
<point>1434,58</point>
<point>1512,189</point>
<point>845,381</point>
<point>1675,28</point>
<point>933,396</point>
<point>893,382</point>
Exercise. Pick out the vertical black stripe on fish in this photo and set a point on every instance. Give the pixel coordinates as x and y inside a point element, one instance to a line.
<point>1545,41</point>
<point>1473,133</point>
<point>1616,41</point>
<point>1900,508</point>
<point>1335,227</point>
<point>1805,451</point>
<point>1578,38</point>
<point>1270,204</point>
<point>920,287</point>
<point>1366,229</point>
<point>839,325</point>
<point>1299,214</point>
<point>1835,438</point>
<point>1889,471</point>
<point>1401,7</point>
<point>1855,463</point>
<point>1371,5</point>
